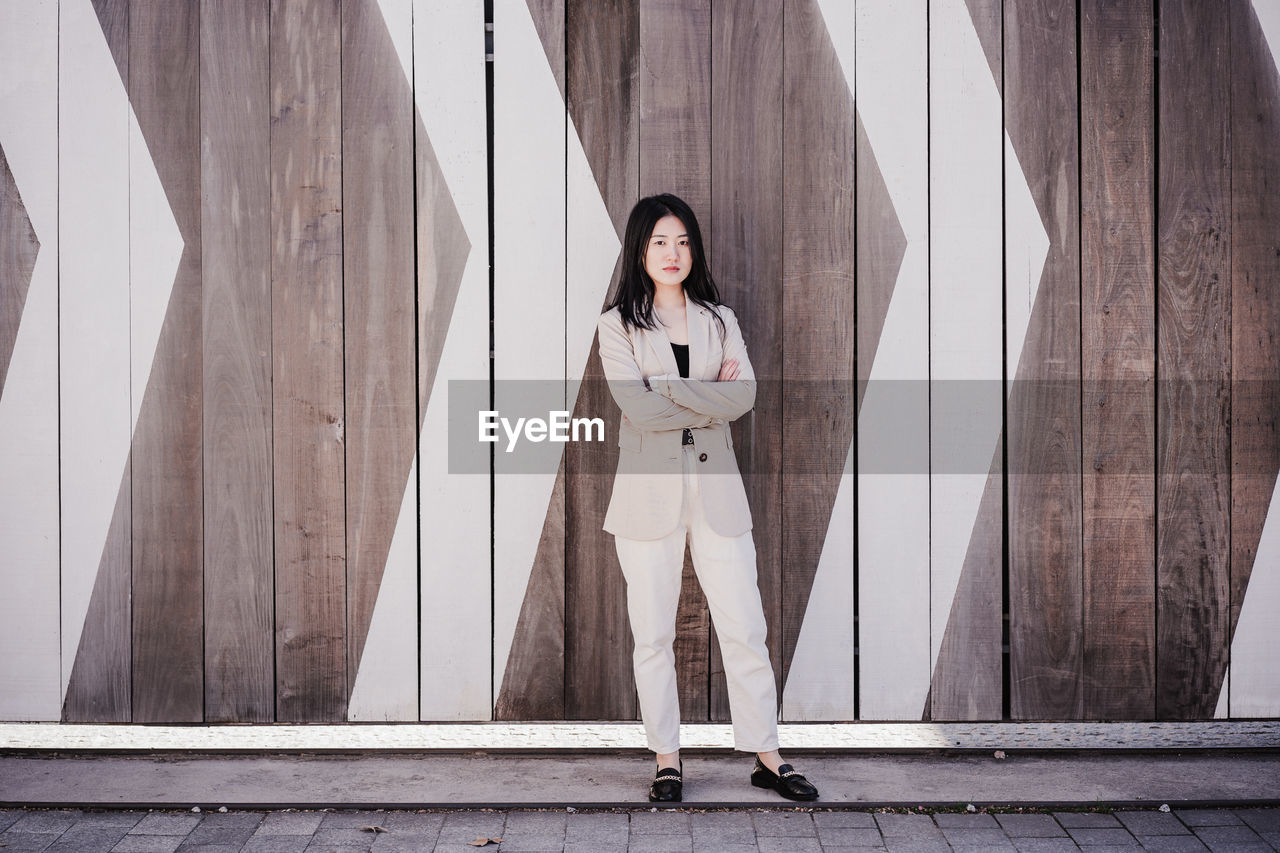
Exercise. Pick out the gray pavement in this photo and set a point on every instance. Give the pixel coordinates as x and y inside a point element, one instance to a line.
<point>568,830</point>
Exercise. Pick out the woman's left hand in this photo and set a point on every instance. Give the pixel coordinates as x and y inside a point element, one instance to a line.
<point>728,371</point>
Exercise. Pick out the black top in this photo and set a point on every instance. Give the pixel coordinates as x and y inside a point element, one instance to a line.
<point>682,359</point>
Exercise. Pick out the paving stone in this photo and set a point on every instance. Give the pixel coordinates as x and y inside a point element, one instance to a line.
<point>917,845</point>
<point>289,823</point>
<point>27,842</point>
<point>783,824</point>
<point>44,822</point>
<point>1207,817</point>
<point>422,825</point>
<point>1262,820</point>
<point>87,838</point>
<point>1222,835</point>
<point>948,820</point>
<point>1172,843</point>
<point>1041,844</point>
<point>717,847</point>
<point>1272,838</point>
<point>865,820</point>
<point>1152,823</point>
<point>659,823</point>
<point>341,837</point>
<point>1100,836</point>
<point>276,844</point>
<point>532,843</point>
<point>543,823</point>
<point>826,848</point>
<point>127,820</point>
<point>320,847</point>
<point>601,828</point>
<point>977,837</point>
<point>159,823</point>
<point>721,828</point>
<point>402,843</point>
<point>658,843</point>
<point>1030,825</point>
<point>8,817</point>
<point>1072,820</point>
<point>908,826</point>
<point>233,829</point>
<point>148,843</point>
<point>593,847</point>
<point>849,836</point>
<point>347,819</point>
<point>774,844</point>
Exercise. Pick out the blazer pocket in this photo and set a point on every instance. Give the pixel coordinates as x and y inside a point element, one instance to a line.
<point>630,439</point>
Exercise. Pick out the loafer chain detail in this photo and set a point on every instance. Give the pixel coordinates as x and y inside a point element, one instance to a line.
<point>787,781</point>
<point>667,785</point>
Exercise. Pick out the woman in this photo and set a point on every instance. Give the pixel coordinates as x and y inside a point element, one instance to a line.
<point>677,367</point>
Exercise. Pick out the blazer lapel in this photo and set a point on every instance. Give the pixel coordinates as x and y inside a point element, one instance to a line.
<point>660,344</point>
<point>700,327</point>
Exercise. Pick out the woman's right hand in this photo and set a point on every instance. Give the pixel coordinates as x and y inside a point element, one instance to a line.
<point>728,371</point>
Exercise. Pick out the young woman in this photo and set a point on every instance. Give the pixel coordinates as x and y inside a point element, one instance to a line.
<point>677,367</point>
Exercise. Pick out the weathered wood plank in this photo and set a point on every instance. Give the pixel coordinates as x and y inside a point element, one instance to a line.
<point>93,360</point>
<point>235,112</point>
<point>745,238</point>
<point>1193,360</point>
<point>168,522</point>
<point>1118,359</point>
<point>379,349</point>
<point>966,395</point>
<point>307,334</point>
<point>1045,584</point>
<point>602,81</point>
<point>30,677</point>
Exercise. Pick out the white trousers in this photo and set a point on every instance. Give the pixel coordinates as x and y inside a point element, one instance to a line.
<point>726,570</point>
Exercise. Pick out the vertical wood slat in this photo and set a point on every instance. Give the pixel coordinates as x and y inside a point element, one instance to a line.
<point>307,387</point>
<point>745,238</point>
<point>30,676</point>
<point>95,420</point>
<point>675,157</point>
<point>1118,360</point>
<point>236,285</point>
<point>1045,582</point>
<point>818,336</point>
<point>378,332</point>
<point>1193,360</point>
<point>1255,354</point>
<point>601,84</point>
<point>167,490</point>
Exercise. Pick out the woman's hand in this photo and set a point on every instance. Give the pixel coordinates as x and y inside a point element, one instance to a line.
<point>728,371</point>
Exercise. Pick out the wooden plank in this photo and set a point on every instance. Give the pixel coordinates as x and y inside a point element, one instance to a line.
<point>30,676</point>
<point>1045,580</point>
<point>1118,360</point>
<point>93,316</point>
<point>1255,354</point>
<point>1193,322</point>
<point>378,321</point>
<point>236,286</point>
<point>966,397</point>
<point>165,329</point>
<point>818,334</point>
<point>893,354</point>
<point>602,82</point>
<point>529,362</point>
<point>675,157</point>
<point>307,334</point>
<point>455,649</point>
<point>746,240</point>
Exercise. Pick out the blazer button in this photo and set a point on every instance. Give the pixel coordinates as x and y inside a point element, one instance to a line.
<point>702,457</point>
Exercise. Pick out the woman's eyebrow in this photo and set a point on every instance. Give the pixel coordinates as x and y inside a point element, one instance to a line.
<point>656,236</point>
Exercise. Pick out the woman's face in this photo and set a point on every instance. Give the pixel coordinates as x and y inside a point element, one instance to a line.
<point>668,258</point>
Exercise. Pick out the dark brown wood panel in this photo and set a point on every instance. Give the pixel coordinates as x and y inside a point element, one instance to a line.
<point>235,115</point>
<point>1118,359</point>
<point>378,298</point>
<point>1193,359</point>
<point>1255,300</point>
<point>1043,429</point>
<point>675,157</point>
<point>818,331</point>
<point>602,83</point>
<point>746,241</point>
<point>168,517</point>
<point>307,334</point>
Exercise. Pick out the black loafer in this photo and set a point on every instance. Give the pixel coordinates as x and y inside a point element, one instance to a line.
<point>786,782</point>
<point>667,786</point>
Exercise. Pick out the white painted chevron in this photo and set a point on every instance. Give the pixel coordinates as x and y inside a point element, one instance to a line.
<point>30,666</point>
<point>455,649</point>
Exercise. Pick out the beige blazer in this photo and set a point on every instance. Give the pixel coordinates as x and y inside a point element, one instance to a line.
<point>657,405</point>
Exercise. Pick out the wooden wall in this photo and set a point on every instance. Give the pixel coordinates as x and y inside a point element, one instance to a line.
<point>1007,271</point>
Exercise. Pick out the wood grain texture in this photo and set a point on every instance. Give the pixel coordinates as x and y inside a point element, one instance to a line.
<point>1255,314</point>
<point>307,335</point>
<point>1193,360</point>
<point>818,335</point>
<point>167,511</point>
<point>235,114</point>
<point>602,84</point>
<point>1045,600</point>
<point>1118,359</point>
<point>746,241</point>
<point>675,157</point>
<point>378,309</point>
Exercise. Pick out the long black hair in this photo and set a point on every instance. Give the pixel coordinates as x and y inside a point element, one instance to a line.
<point>634,298</point>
